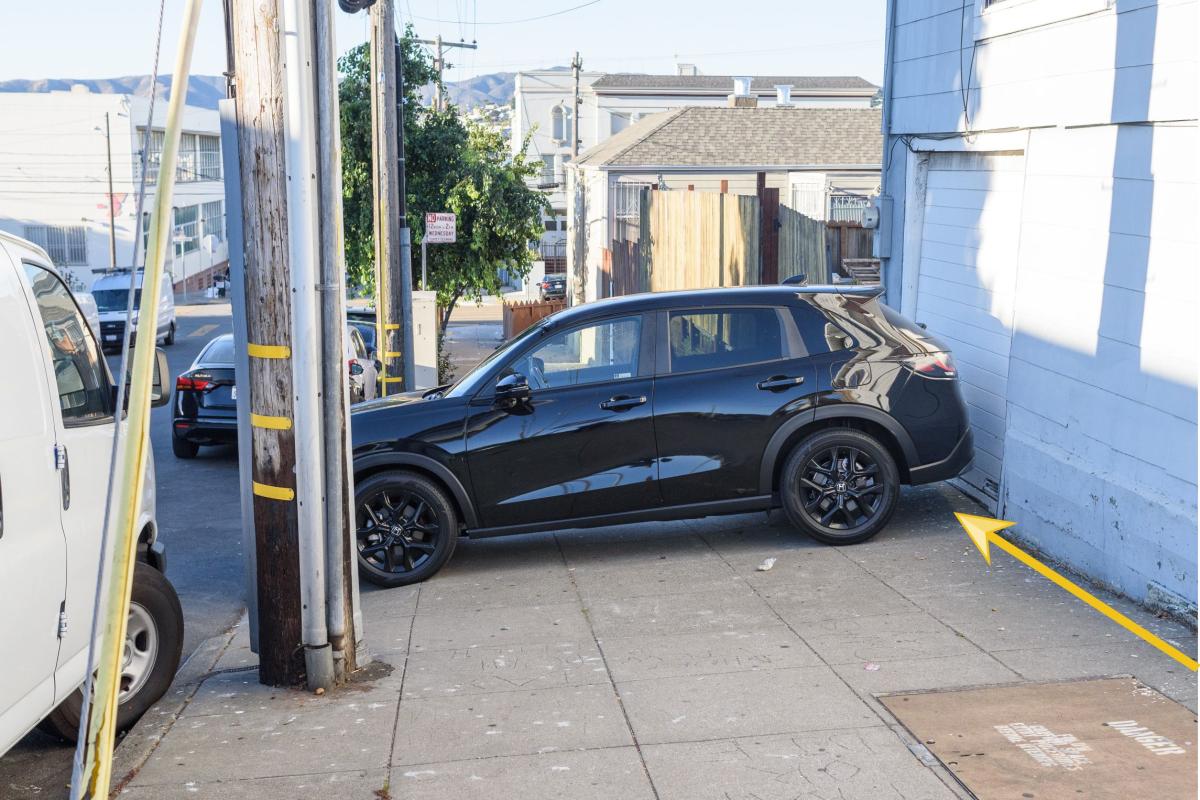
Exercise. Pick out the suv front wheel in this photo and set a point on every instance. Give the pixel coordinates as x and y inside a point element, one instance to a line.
<point>840,486</point>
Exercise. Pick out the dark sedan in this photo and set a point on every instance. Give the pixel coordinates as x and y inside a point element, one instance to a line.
<point>205,403</point>
<point>552,287</point>
<point>819,400</point>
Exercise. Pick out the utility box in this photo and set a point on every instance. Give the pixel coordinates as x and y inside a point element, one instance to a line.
<point>425,339</point>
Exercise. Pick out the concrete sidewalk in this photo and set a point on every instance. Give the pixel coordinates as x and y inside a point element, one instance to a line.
<point>655,661</point>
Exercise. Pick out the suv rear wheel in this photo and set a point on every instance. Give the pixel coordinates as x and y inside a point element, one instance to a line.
<point>406,528</point>
<point>840,486</point>
<point>153,645</point>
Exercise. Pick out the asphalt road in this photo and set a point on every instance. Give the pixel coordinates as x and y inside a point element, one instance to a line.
<point>199,522</point>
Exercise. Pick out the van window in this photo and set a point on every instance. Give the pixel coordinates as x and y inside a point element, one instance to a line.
<point>116,299</point>
<point>84,393</point>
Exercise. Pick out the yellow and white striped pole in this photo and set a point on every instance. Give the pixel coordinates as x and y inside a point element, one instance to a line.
<point>131,464</point>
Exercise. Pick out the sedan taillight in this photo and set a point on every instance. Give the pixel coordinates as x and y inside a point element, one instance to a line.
<point>934,365</point>
<point>193,383</point>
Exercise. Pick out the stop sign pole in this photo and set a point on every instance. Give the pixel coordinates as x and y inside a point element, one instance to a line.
<point>439,229</point>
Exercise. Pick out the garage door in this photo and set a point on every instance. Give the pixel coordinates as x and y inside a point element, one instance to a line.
<point>966,284</point>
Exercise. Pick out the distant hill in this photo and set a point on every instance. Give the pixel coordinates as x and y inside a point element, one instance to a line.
<point>203,90</point>
<point>206,90</point>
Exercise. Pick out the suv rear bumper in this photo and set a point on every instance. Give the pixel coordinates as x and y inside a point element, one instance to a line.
<point>949,467</point>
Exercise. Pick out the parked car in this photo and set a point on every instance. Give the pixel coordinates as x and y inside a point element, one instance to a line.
<point>364,372</point>
<point>553,287</point>
<point>56,436</point>
<point>819,400</point>
<point>363,320</point>
<point>111,292</point>
<point>205,403</point>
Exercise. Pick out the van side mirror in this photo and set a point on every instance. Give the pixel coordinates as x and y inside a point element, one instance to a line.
<point>160,390</point>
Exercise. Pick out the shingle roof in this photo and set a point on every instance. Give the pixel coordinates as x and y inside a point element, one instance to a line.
<point>724,83</point>
<point>732,137</point>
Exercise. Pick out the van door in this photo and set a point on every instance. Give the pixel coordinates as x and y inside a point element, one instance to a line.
<point>84,424</point>
<point>32,547</point>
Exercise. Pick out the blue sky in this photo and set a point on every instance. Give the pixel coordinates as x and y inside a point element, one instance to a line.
<point>109,38</point>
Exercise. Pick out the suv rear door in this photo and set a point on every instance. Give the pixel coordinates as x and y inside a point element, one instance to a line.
<point>727,377</point>
<point>32,547</point>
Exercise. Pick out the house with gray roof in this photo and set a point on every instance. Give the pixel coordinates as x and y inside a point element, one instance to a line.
<point>824,162</point>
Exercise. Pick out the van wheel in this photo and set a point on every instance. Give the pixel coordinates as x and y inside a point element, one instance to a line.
<point>182,448</point>
<point>169,339</point>
<point>840,486</point>
<point>153,646</point>
<point>406,528</point>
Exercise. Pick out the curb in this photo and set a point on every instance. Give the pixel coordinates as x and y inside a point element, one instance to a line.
<point>143,738</point>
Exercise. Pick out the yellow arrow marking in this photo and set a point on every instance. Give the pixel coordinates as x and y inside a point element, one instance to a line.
<point>982,531</point>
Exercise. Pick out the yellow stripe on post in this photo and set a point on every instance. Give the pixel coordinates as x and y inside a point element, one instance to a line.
<point>269,350</point>
<point>392,380</point>
<point>391,326</point>
<point>273,492</point>
<point>391,354</point>
<point>273,423</point>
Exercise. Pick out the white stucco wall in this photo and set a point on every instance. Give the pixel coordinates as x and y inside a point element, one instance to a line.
<point>1099,463</point>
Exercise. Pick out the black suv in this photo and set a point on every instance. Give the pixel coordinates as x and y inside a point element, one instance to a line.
<point>674,405</point>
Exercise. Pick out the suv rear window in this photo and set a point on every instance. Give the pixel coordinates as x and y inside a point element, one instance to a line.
<point>715,339</point>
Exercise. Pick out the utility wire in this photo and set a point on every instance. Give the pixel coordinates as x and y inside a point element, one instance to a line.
<point>512,21</point>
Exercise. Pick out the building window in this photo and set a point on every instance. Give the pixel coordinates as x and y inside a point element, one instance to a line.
<point>848,207</point>
<point>627,200</point>
<point>208,158</point>
<point>66,245</point>
<point>154,156</point>
<point>213,220</point>
<point>618,123</point>
<point>548,172</point>
<point>185,168</point>
<point>185,234</point>
<point>560,123</point>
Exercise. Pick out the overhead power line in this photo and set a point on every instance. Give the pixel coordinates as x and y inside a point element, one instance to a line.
<point>510,21</point>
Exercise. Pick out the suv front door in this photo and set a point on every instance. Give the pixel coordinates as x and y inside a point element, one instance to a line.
<point>582,444</point>
<point>728,377</point>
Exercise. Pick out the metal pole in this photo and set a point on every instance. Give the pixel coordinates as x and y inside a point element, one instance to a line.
<point>424,271</point>
<point>340,593</point>
<point>576,63</point>
<point>112,213</point>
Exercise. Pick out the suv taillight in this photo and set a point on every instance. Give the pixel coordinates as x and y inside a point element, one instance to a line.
<point>934,365</point>
<point>193,383</point>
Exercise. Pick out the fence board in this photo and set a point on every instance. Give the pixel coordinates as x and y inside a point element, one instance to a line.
<point>520,315</point>
<point>802,246</point>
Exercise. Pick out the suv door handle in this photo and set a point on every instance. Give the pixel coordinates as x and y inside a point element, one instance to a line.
<point>622,402</point>
<point>779,382</point>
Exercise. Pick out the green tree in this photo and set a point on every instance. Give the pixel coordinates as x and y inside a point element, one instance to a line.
<point>450,166</point>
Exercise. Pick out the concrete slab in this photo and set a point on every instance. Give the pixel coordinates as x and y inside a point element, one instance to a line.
<point>801,605</point>
<point>477,670</point>
<point>751,703</point>
<point>497,588</point>
<point>706,653</point>
<point>497,627</point>
<point>912,674</point>
<point>658,577</point>
<point>679,613</point>
<point>860,764</point>
<point>615,772</point>
<point>508,723</point>
<point>891,637</point>
<point>354,783</point>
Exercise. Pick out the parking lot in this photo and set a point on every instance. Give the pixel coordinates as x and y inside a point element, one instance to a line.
<point>653,661</point>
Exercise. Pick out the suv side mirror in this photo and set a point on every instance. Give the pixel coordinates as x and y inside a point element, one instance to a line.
<point>512,389</point>
<point>160,391</point>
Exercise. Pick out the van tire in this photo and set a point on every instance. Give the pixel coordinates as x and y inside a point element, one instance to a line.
<point>169,339</point>
<point>155,594</point>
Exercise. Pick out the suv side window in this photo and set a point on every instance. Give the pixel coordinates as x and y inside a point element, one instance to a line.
<point>603,351</point>
<point>707,339</point>
<point>84,393</point>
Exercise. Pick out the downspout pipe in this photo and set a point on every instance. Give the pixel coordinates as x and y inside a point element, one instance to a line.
<point>886,246</point>
<point>304,224</point>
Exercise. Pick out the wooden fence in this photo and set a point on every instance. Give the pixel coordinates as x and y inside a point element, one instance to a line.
<point>802,246</point>
<point>845,240</point>
<point>519,316</point>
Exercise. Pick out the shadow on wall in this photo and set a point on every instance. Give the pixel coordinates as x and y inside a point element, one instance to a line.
<point>1099,441</point>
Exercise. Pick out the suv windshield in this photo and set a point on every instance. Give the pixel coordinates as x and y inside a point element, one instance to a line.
<point>116,299</point>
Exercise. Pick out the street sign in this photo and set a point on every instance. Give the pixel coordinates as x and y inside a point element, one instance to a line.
<point>439,229</point>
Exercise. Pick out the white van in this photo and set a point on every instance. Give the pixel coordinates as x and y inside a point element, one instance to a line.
<point>57,423</point>
<point>111,292</point>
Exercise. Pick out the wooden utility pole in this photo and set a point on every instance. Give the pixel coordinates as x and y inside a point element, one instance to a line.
<point>255,26</point>
<point>576,65</point>
<point>393,270</point>
<point>439,63</point>
<point>112,212</point>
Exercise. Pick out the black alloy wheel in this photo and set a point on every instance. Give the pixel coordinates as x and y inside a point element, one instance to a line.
<point>406,528</point>
<point>840,486</point>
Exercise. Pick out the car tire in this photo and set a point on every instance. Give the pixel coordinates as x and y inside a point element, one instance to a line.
<point>155,598</point>
<point>169,339</point>
<point>410,542</point>
<point>182,448</point>
<point>840,486</point>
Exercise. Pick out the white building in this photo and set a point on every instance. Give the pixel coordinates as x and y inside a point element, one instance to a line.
<point>54,182</point>
<point>1040,163</point>
<point>609,103</point>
